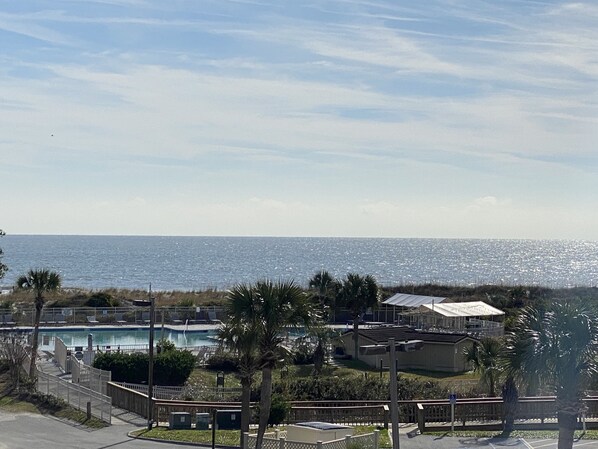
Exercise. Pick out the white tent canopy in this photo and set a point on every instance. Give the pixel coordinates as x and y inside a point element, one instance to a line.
<point>463,309</point>
<point>405,300</point>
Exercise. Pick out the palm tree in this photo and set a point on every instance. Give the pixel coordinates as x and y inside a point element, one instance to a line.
<point>325,288</point>
<point>271,308</point>
<point>40,281</point>
<point>323,336</point>
<point>484,359</point>
<point>555,348</point>
<point>510,399</point>
<point>358,293</point>
<point>3,267</point>
<point>241,337</point>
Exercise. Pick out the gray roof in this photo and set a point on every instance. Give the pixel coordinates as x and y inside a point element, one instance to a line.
<point>399,333</point>
<point>406,300</point>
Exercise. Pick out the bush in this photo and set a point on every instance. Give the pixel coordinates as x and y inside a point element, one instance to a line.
<point>173,367</point>
<point>278,410</point>
<point>170,367</point>
<point>165,345</point>
<point>303,355</point>
<point>101,299</point>
<point>359,388</point>
<point>222,361</point>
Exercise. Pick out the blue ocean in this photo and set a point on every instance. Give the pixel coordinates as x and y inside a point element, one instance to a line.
<point>200,263</point>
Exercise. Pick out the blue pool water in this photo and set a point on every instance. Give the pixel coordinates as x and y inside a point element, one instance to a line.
<point>123,337</point>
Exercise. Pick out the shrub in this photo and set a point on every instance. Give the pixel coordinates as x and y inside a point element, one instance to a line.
<point>171,367</point>
<point>222,361</point>
<point>359,388</point>
<point>303,355</point>
<point>278,410</point>
<point>165,345</point>
<point>101,299</point>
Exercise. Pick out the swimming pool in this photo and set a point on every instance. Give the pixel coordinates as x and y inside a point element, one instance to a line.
<point>124,337</point>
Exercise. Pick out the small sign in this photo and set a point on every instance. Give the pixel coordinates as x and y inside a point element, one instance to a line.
<point>453,398</point>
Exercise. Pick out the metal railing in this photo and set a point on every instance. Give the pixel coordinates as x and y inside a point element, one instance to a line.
<point>75,395</point>
<point>93,316</point>
<point>179,393</point>
<point>93,378</point>
<point>159,392</point>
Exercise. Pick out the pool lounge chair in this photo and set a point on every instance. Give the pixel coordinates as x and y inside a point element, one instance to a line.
<point>92,320</point>
<point>60,319</point>
<point>174,317</point>
<point>7,320</point>
<point>212,317</point>
<point>119,319</point>
<point>47,319</point>
<point>145,317</point>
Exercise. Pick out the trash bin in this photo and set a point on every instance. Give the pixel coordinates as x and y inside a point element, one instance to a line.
<point>179,420</point>
<point>202,421</point>
<point>228,419</point>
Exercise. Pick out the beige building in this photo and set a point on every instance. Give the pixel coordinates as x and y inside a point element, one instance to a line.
<point>440,351</point>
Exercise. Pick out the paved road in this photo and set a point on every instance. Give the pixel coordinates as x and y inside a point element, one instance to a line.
<point>552,444</point>
<point>435,442</point>
<point>31,431</point>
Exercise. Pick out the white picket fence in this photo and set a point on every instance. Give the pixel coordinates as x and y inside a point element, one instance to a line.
<point>277,440</point>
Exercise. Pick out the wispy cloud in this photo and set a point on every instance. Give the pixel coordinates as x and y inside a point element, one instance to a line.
<point>438,107</point>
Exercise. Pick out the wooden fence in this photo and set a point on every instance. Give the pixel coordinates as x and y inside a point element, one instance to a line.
<point>531,412</point>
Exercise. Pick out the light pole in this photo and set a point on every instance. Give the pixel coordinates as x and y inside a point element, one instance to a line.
<point>150,373</point>
<point>394,406</point>
<point>391,347</point>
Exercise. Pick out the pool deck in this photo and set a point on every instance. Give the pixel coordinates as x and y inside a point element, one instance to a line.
<point>83,327</point>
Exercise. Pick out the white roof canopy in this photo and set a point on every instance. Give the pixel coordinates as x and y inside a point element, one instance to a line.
<point>405,300</point>
<point>463,309</point>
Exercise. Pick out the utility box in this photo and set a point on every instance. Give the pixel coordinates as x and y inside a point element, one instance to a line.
<point>202,421</point>
<point>179,420</point>
<point>228,419</point>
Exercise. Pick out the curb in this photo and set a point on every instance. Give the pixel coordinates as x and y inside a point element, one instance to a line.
<point>181,443</point>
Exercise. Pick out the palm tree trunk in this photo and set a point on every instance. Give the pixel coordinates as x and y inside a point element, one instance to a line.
<point>510,397</point>
<point>356,337</point>
<point>245,407</point>
<point>265,404</point>
<point>567,423</point>
<point>35,343</point>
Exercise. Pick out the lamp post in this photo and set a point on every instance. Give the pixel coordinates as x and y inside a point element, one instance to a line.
<point>394,406</point>
<point>391,347</point>
<point>150,374</point>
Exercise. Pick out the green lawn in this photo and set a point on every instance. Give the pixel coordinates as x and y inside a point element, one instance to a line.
<point>345,369</point>
<point>228,437</point>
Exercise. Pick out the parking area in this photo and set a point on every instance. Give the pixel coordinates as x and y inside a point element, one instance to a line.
<point>447,442</point>
<point>552,444</point>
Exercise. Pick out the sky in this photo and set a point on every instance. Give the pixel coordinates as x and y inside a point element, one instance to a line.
<point>348,118</point>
